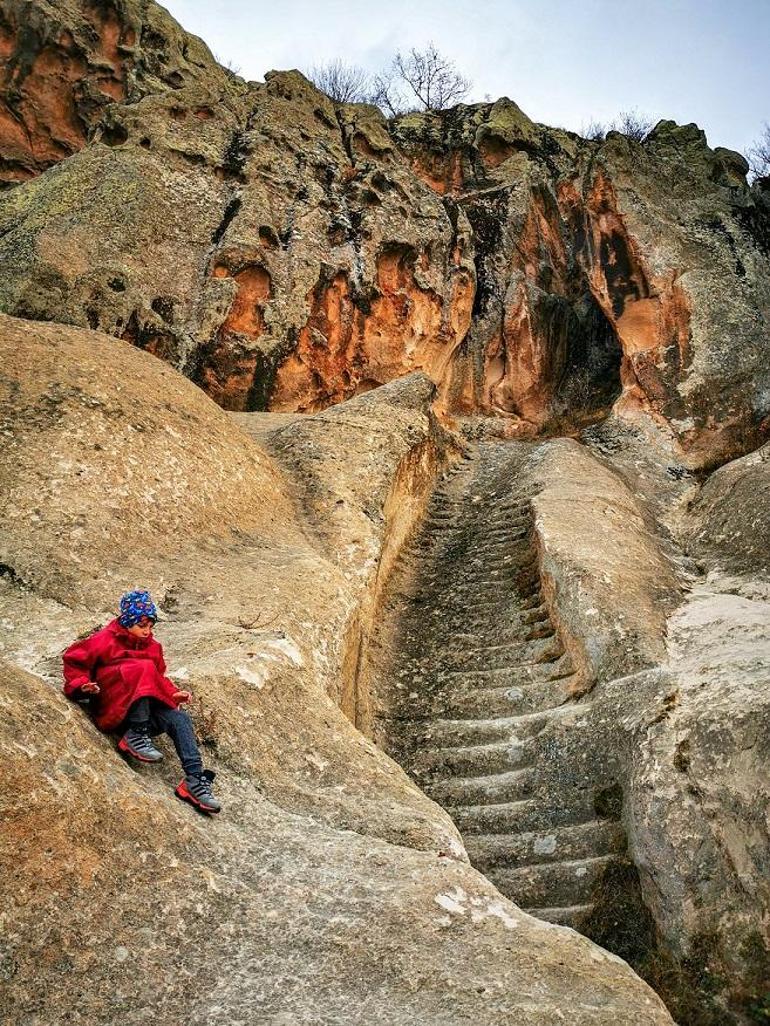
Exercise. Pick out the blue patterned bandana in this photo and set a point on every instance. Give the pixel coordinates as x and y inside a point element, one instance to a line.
<point>135,605</point>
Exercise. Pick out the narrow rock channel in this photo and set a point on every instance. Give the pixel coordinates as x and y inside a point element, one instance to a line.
<point>479,671</point>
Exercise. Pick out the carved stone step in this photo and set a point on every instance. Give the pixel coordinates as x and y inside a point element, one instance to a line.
<point>594,837</point>
<point>524,817</point>
<point>551,884</point>
<point>454,733</point>
<point>515,675</point>
<point>473,702</point>
<point>470,760</point>
<point>493,789</point>
<point>527,652</point>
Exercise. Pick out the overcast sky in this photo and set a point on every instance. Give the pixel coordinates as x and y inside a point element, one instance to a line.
<point>565,63</point>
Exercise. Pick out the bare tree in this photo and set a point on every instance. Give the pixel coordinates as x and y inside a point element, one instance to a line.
<point>632,124</point>
<point>758,154</point>
<point>629,123</point>
<point>432,78</point>
<point>420,80</point>
<point>343,83</point>
<point>386,94</point>
<point>594,130</point>
<point>231,68</point>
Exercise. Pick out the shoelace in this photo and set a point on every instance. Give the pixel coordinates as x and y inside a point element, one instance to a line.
<point>203,785</point>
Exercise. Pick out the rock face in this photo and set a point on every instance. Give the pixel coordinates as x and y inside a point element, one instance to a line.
<point>371,542</point>
<point>287,253</point>
<point>62,64</point>
<point>733,525</point>
<point>590,705</point>
<point>674,724</point>
<point>330,882</point>
<point>697,737</point>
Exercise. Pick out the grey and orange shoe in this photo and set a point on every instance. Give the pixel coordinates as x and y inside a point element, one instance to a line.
<point>196,789</point>
<point>136,742</point>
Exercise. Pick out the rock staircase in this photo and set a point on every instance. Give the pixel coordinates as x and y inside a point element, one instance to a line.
<point>481,674</point>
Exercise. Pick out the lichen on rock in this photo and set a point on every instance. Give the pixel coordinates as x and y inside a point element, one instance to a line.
<point>442,436</point>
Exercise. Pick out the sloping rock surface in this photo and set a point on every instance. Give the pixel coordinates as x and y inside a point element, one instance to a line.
<point>330,888</point>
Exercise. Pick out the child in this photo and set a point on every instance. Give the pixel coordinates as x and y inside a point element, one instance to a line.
<point>122,668</point>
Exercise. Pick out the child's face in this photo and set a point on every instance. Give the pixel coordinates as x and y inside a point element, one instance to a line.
<point>143,629</point>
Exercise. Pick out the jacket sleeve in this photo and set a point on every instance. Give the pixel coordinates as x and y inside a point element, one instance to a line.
<point>160,663</point>
<point>79,660</point>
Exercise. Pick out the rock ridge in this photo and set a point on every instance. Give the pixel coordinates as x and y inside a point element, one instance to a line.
<point>288,253</point>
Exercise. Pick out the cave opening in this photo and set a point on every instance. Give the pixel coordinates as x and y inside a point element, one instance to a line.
<point>587,381</point>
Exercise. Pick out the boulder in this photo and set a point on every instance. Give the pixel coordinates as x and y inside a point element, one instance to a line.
<point>730,520</point>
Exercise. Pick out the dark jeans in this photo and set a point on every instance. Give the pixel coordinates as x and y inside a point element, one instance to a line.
<point>160,719</point>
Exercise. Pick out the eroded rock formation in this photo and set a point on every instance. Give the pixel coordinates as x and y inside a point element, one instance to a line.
<point>564,640</point>
<point>332,882</point>
<point>63,63</point>
<point>287,253</point>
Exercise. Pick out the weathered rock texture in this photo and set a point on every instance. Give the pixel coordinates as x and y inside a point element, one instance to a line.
<point>675,727</point>
<point>733,516</point>
<point>569,652</point>
<point>330,886</point>
<point>626,588</point>
<point>600,744</point>
<point>63,63</point>
<point>287,253</point>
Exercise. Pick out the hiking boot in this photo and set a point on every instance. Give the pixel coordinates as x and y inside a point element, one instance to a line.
<point>136,741</point>
<point>196,789</point>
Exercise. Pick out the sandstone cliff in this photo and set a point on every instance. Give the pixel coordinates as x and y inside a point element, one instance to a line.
<point>287,253</point>
<point>533,572</point>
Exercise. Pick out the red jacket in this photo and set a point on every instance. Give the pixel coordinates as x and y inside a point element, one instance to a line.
<point>125,667</point>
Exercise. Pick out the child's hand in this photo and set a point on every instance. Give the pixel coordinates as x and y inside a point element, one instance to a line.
<point>181,697</point>
<point>90,688</point>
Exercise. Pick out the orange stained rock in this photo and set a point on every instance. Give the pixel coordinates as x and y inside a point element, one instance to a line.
<point>7,42</point>
<point>246,315</point>
<point>650,313</point>
<point>321,369</point>
<point>229,374</point>
<point>343,350</point>
<point>542,244</point>
<point>45,123</point>
<point>442,172</point>
<point>523,362</point>
<point>233,363</point>
<point>494,151</point>
<point>519,375</point>
<point>109,31</point>
<point>411,328</point>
